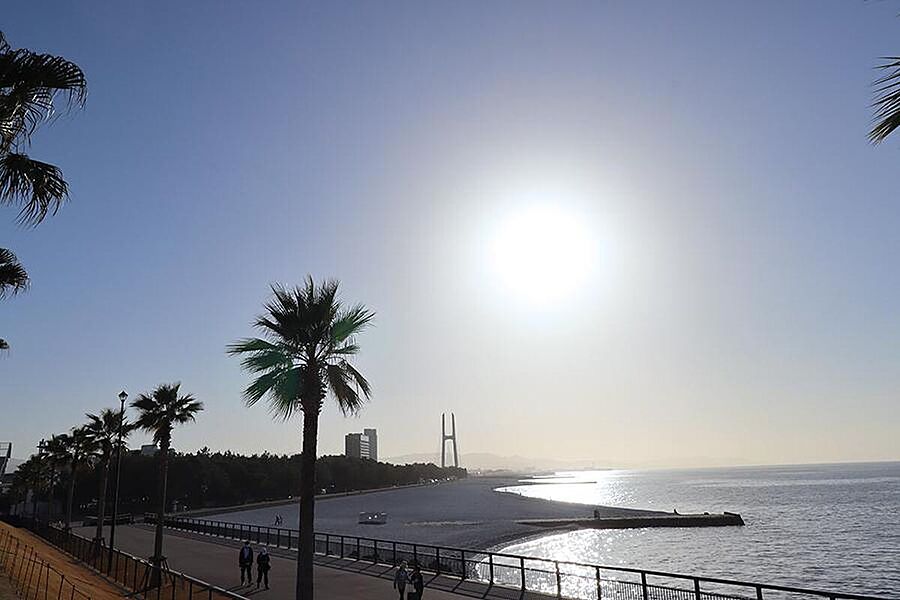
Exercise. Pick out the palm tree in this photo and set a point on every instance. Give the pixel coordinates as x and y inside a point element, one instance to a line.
<point>159,412</point>
<point>73,450</point>
<point>309,336</point>
<point>29,83</point>
<point>104,431</point>
<point>57,456</point>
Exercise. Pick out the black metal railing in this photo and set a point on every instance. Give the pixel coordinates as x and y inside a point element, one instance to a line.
<point>555,578</point>
<point>31,575</point>
<point>131,572</point>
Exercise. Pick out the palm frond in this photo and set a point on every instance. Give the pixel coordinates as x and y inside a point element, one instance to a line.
<point>346,350</point>
<point>262,385</point>
<point>357,378</point>
<point>285,395</point>
<point>350,322</point>
<point>21,111</point>
<point>250,345</point>
<point>13,277</point>
<point>38,187</point>
<point>261,356</point>
<point>887,101</point>
<point>30,70</point>
<point>340,384</point>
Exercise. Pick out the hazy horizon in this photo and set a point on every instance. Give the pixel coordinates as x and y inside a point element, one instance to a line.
<point>615,232</point>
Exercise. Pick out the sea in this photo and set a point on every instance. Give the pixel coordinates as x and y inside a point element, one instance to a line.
<point>833,527</point>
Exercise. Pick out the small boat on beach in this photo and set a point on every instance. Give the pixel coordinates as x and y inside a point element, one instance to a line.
<point>372,518</point>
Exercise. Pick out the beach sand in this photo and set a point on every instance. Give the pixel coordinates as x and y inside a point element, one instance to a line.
<point>467,513</point>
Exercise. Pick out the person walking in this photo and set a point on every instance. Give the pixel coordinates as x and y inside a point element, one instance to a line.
<point>262,567</point>
<point>245,561</point>
<point>400,579</point>
<point>415,579</point>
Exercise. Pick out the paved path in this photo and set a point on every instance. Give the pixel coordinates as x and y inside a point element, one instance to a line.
<point>214,560</point>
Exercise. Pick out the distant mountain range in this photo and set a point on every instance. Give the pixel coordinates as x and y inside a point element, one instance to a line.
<point>485,461</point>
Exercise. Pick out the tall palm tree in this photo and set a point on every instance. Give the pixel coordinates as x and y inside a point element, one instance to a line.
<point>74,450</point>
<point>308,338</point>
<point>57,457</point>
<point>104,431</point>
<point>159,413</point>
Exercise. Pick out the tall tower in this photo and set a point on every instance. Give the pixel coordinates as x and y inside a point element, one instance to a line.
<point>452,437</point>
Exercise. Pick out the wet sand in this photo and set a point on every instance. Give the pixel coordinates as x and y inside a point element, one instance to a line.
<point>466,514</point>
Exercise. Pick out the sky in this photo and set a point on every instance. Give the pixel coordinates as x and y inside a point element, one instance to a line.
<point>715,280</point>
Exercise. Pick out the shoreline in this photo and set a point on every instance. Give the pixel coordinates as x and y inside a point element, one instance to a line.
<point>467,513</point>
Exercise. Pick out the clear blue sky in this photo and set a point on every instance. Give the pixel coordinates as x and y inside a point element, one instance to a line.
<point>744,304</point>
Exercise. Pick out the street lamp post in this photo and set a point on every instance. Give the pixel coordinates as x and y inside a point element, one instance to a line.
<point>123,396</point>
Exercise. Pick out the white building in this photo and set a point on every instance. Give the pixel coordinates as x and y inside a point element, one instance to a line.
<point>362,445</point>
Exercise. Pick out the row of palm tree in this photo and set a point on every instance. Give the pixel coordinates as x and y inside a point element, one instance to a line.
<point>95,444</point>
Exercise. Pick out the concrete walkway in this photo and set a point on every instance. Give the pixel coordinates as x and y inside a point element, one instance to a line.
<point>214,560</point>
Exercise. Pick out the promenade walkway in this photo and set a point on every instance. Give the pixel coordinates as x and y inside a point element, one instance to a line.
<point>215,560</point>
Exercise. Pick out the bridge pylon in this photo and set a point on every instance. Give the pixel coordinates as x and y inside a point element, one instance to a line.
<point>451,437</point>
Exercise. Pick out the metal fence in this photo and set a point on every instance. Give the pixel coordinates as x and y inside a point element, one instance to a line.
<point>134,574</point>
<point>31,576</point>
<point>554,578</point>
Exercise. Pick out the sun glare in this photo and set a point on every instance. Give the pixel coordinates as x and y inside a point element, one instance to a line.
<point>543,254</point>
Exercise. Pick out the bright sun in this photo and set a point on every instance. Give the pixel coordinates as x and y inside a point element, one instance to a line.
<point>543,254</point>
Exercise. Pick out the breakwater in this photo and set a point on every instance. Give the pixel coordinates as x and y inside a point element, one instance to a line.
<point>635,522</point>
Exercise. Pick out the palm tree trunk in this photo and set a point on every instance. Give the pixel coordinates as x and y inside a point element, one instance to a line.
<point>160,512</point>
<point>101,502</point>
<point>70,496</point>
<point>307,506</point>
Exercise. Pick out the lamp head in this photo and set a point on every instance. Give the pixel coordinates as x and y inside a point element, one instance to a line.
<point>123,396</point>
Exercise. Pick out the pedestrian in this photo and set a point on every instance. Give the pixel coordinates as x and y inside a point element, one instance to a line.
<point>417,582</point>
<point>400,579</point>
<point>245,561</point>
<point>262,567</point>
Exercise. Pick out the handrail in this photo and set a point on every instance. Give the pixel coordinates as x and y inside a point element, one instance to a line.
<point>277,534</point>
<point>93,557</point>
<point>23,578</point>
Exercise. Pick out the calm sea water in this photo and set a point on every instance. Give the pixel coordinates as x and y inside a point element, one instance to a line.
<point>835,527</point>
